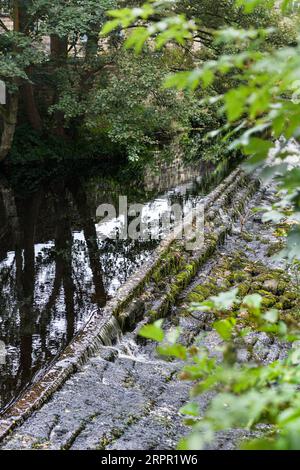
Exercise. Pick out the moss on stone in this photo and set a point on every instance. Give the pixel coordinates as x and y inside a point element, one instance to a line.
<point>238,276</point>
<point>244,289</point>
<point>275,248</point>
<point>247,237</point>
<point>286,303</point>
<point>152,313</point>
<point>281,231</point>
<point>194,297</point>
<point>103,443</point>
<point>268,302</point>
<point>203,290</point>
<point>274,285</point>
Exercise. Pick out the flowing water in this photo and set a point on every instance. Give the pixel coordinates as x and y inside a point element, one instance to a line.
<point>55,270</point>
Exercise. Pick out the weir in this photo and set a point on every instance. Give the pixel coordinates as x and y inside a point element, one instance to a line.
<point>55,270</point>
<point>148,294</point>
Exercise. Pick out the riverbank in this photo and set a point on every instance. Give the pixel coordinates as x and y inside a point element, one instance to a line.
<point>55,271</point>
<point>125,397</point>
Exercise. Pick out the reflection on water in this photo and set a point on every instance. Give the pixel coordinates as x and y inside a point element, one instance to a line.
<point>54,270</point>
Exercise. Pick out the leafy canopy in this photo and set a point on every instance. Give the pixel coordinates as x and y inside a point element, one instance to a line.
<point>261,109</point>
<point>262,103</point>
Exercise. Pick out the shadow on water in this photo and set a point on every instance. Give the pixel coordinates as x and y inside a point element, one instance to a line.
<point>54,269</point>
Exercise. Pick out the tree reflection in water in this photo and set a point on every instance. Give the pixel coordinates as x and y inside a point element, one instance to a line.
<point>54,271</point>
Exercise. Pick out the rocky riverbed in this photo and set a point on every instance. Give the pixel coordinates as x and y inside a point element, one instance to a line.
<point>126,397</point>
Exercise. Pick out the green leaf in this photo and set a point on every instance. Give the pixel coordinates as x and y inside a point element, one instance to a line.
<point>137,39</point>
<point>286,4</point>
<point>225,328</point>
<point>253,302</point>
<point>190,409</point>
<point>205,306</point>
<point>225,300</point>
<point>173,350</point>
<point>173,335</point>
<point>250,5</point>
<point>295,356</point>
<point>258,147</point>
<point>184,80</point>
<point>153,331</point>
<point>291,180</point>
<point>292,250</point>
<point>235,102</point>
<point>272,216</point>
<point>192,442</point>
<point>271,316</point>
<point>109,27</point>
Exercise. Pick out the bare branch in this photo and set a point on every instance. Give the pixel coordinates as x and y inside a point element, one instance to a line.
<point>3,26</point>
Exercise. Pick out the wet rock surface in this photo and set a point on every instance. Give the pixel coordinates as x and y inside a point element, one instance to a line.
<point>126,397</point>
<point>110,404</point>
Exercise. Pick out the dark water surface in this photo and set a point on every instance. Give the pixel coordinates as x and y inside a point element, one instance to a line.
<point>54,269</point>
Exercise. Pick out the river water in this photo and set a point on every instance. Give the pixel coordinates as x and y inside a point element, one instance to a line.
<point>55,269</point>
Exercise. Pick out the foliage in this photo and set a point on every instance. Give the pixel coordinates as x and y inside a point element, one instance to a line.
<point>245,394</point>
<point>86,85</point>
<point>259,103</point>
<point>90,88</point>
<point>131,107</point>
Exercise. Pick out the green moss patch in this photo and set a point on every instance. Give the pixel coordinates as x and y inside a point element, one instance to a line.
<point>274,285</point>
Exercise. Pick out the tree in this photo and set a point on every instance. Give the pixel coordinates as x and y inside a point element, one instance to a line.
<point>47,47</point>
<point>261,110</point>
<point>61,76</point>
<point>261,72</point>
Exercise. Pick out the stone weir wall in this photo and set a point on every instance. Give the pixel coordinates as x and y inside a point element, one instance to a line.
<point>148,295</point>
<point>165,173</point>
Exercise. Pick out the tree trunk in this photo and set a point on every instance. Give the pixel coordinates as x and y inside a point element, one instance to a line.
<point>58,48</point>
<point>33,115</point>
<point>9,111</point>
<point>27,98</point>
<point>59,54</point>
<point>91,48</point>
<point>79,194</point>
<point>11,213</point>
<point>9,125</point>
